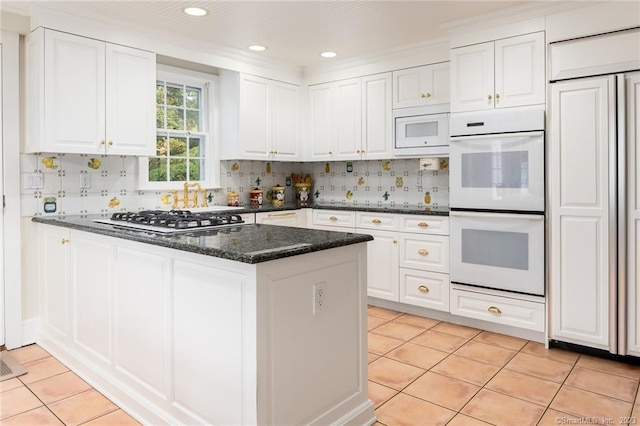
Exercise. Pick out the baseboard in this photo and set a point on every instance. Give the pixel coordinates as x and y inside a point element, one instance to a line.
<point>30,330</point>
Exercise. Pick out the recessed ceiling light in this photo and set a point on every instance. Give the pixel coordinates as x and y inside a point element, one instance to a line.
<point>328,54</point>
<point>257,48</point>
<point>194,11</point>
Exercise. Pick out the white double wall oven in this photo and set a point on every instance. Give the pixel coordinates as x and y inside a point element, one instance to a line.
<point>497,200</point>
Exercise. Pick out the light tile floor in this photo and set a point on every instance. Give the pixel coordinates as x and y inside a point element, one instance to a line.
<point>426,372</point>
<point>421,372</point>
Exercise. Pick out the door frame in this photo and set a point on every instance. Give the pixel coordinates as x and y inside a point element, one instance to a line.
<point>11,285</point>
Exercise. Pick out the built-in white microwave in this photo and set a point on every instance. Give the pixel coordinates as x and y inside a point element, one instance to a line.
<point>421,131</point>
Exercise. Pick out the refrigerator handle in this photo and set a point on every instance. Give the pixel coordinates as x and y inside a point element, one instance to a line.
<point>621,194</point>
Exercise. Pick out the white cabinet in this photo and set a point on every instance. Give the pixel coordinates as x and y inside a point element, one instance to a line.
<point>54,276</point>
<point>333,220</point>
<point>260,118</point>
<point>295,218</point>
<point>498,74</point>
<point>424,261</point>
<point>89,97</point>
<point>382,253</point>
<point>420,86</point>
<point>580,223</point>
<point>351,119</point>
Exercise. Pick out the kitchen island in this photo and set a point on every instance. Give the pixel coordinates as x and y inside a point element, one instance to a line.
<point>247,324</point>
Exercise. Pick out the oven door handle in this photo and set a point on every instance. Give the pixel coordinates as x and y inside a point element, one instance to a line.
<point>497,215</point>
<point>503,138</point>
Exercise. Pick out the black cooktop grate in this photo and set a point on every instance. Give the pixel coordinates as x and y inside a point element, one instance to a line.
<point>178,219</point>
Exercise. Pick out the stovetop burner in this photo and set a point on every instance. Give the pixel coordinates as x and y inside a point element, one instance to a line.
<point>164,220</point>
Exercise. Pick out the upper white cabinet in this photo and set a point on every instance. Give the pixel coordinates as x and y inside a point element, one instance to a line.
<point>351,119</point>
<point>86,96</point>
<point>420,86</point>
<point>260,118</point>
<point>498,74</point>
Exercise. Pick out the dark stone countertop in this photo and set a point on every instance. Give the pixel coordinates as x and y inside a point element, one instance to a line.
<point>375,208</point>
<point>252,243</point>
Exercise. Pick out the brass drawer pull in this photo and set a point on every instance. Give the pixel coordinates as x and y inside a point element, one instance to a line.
<point>281,214</point>
<point>423,289</point>
<point>64,241</point>
<point>494,310</point>
<point>423,252</point>
<point>333,218</point>
<point>376,221</point>
<point>423,224</point>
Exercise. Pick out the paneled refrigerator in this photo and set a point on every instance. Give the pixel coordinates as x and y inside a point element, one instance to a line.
<point>594,213</point>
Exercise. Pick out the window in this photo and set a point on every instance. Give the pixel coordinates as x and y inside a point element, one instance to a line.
<point>184,139</point>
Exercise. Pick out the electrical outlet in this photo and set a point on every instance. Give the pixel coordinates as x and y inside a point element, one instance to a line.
<point>429,163</point>
<point>34,181</point>
<point>318,298</point>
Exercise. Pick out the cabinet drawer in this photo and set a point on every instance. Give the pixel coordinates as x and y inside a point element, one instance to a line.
<point>425,252</point>
<point>425,224</point>
<point>426,289</point>
<point>334,218</point>
<point>501,310</point>
<point>387,222</point>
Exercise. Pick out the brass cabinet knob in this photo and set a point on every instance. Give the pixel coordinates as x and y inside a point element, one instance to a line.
<point>102,142</point>
<point>494,310</point>
<point>330,152</point>
<point>64,241</point>
<point>423,224</point>
<point>275,152</point>
<point>423,289</point>
<point>395,241</point>
<point>497,96</point>
<point>333,218</point>
<point>423,252</point>
<point>110,143</point>
<point>489,97</point>
<point>376,221</point>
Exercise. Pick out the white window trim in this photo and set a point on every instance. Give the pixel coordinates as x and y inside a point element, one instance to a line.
<point>209,83</point>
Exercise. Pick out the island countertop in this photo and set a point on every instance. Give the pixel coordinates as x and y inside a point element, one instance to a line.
<point>250,243</point>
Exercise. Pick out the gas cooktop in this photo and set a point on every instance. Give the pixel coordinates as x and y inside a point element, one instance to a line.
<point>164,221</point>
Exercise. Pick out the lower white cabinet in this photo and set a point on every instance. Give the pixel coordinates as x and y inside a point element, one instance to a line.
<point>521,313</point>
<point>295,218</point>
<point>424,288</point>
<point>382,264</point>
<point>183,338</point>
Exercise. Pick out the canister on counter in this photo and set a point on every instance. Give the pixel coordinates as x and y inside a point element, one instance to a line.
<point>278,195</point>
<point>233,199</point>
<point>255,197</point>
<point>303,194</point>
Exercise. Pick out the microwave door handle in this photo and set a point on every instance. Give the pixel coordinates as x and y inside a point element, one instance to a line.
<point>533,217</point>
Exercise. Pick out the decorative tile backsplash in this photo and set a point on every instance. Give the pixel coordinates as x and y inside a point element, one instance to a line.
<point>112,183</point>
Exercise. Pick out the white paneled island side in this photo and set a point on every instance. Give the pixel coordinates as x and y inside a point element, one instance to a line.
<point>210,327</point>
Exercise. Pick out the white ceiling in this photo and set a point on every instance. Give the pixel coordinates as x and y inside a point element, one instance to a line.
<point>294,31</point>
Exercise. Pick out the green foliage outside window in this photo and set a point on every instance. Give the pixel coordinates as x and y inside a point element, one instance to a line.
<point>179,147</point>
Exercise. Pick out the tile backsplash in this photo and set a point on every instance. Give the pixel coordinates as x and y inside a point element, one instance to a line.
<point>112,183</point>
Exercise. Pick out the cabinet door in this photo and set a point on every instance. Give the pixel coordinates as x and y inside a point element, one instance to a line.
<point>321,127</point>
<point>348,119</point>
<point>579,258</point>
<point>255,130</point>
<point>130,101</point>
<point>436,84</point>
<point>472,77</point>
<point>284,119</point>
<point>74,94</point>
<point>519,71</point>
<point>91,268</point>
<point>382,265</point>
<point>377,121</point>
<point>407,85</point>
<point>633,213</point>
<point>54,280</point>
